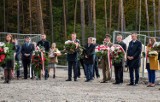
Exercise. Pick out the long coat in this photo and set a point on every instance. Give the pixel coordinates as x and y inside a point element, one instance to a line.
<point>134,50</point>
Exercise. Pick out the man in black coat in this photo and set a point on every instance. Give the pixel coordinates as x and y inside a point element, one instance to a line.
<point>118,67</point>
<point>44,43</point>
<point>134,59</point>
<point>72,61</point>
<point>26,51</point>
<point>89,59</point>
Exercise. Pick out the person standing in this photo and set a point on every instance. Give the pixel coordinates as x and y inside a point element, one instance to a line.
<point>9,58</point>
<point>95,65</point>
<point>104,61</point>
<point>134,59</point>
<point>17,56</point>
<point>44,43</point>
<point>89,59</point>
<point>72,60</point>
<point>151,73</point>
<point>53,54</point>
<point>118,67</point>
<point>26,51</point>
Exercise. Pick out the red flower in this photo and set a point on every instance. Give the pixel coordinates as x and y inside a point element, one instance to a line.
<point>1,50</point>
<point>2,56</point>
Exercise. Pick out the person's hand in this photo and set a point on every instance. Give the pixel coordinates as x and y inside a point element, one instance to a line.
<point>26,55</point>
<point>131,57</point>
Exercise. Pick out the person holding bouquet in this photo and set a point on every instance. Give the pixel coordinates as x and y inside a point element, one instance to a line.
<point>118,67</point>
<point>151,72</point>
<point>105,62</point>
<point>134,59</point>
<point>9,64</point>
<point>53,54</point>
<point>89,59</point>
<point>72,56</point>
<point>27,51</point>
<point>44,43</point>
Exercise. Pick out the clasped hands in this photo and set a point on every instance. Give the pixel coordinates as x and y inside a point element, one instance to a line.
<point>27,54</point>
<point>130,57</point>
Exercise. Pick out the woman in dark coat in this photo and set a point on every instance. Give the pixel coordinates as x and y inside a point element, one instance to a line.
<point>9,58</point>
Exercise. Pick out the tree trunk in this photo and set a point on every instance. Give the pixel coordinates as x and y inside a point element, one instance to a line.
<point>30,16</point>
<point>51,19</point>
<point>122,16</point>
<point>75,16</point>
<point>94,17</point>
<point>154,14</point>
<point>64,17</point>
<point>82,21</point>
<point>90,13</point>
<point>119,15</point>
<point>137,14</point>
<point>4,15</point>
<point>140,6</point>
<point>110,18</point>
<point>40,17</point>
<point>159,16</point>
<point>147,16</point>
<point>105,10</point>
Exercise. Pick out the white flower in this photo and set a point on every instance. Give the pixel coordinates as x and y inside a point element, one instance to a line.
<point>6,49</point>
<point>153,53</point>
<point>68,41</point>
<point>2,44</point>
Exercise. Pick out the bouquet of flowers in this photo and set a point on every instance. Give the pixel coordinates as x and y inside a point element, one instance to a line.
<point>6,52</point>
<point>152,53</point>
<point>70,46</point>
<point>117,53</point>
<point>101,50</point>
<point>2,53</point>
<point>156,47</point>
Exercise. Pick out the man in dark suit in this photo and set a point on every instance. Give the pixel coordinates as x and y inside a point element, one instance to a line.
<point>26,50</point>
<point>134,59</point>
<point>44,43</point>
<point>118,67</point>
<point>89,59</point>
<point>72,61</point>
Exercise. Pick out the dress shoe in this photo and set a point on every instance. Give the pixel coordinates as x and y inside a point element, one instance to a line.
<point>130,84</point>
<point>116,83</point>
<point>87,80</point>
<point>68,80</point>
<point>75,79</point>
<point>103,82</point>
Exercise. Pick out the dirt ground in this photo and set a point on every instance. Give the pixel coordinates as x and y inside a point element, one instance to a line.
<point>58,90</point>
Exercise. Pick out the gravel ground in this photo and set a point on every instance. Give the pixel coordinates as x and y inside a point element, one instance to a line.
<point>58,90</point>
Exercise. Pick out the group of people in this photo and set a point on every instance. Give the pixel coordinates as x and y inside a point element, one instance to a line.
<point>88,59</point>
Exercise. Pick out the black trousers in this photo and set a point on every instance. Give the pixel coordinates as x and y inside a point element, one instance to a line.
<point>79,63</point>
<point>118,73</point>
<point>131,72</point>
<point>72,65</point>
<point>26,64</point>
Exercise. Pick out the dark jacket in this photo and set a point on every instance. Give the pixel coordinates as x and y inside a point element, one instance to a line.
<point>123,45</point>
<point>45,44</point>
<point>134,49</point>
<point>28,50</point>
<point>18,51</point>
<point>89,52</point>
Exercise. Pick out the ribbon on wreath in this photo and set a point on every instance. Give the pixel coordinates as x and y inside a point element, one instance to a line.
<point>42,58</point>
